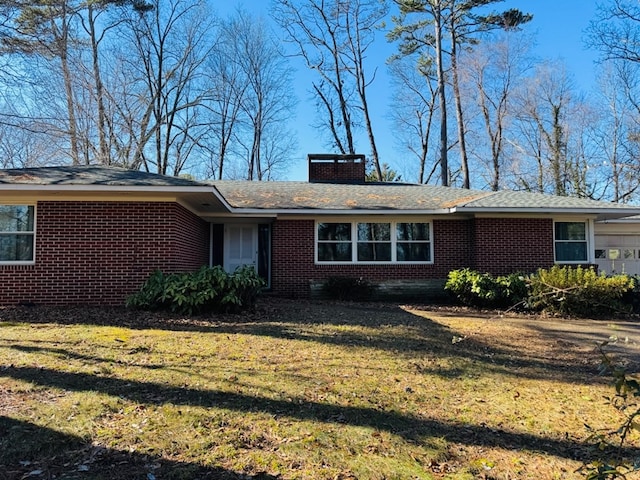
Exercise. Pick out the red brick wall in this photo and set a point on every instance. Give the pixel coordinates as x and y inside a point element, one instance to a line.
<point>507,245</point>
<point>293,262</point>
<point>337,171</point>
<point>492,245</point>
<point>100,252</point>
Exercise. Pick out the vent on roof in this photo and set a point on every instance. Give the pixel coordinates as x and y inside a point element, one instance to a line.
<point>335,168</point>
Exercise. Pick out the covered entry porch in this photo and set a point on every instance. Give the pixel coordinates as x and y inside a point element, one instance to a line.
<point>235,244</point>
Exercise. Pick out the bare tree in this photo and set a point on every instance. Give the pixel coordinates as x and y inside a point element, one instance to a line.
<point>252,101</point>
<point>414,112</point>
<point>616,30</point>
<point>170,44</point>
<point>96,29</point>
<point>617,137</point>
<point>492,73</point>
<point>333,37</point>
<point>553,134</point>
<point>45,29</point>
<point>228,84</point>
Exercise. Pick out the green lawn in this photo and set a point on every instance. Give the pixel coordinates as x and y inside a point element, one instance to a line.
<point>295,390</point>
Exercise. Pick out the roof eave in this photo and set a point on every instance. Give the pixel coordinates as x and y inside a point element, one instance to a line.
<point>601,213</point>
<point>340,212</point>
<point>173,189</point>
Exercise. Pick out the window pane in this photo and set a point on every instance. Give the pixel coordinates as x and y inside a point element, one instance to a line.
<point>412,231</point>
<point>570,231</point>
<point>16,248</point>
<point>374,252</point>
<point>334,252</point>
<point>571,251</point>
<point>369,232</point>
<point>16,218</point>
<point>334,231</point>
<point>413,252</point>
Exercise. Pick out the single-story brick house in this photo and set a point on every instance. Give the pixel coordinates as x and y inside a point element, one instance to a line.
<point>92,235</point>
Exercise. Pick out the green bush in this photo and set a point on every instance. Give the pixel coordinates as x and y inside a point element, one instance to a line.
<point>347,288</point>
<point>578,291</point>
<point>611,441</point>
<point>476,289</point>
<point>206,290</point>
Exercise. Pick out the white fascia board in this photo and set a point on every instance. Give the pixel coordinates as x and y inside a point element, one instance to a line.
<point>323,212</point>
<point>620,212</point>
<point>242,214</point>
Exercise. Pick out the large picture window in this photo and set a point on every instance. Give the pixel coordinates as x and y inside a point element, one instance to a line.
<point>373,242</point>
<point>571,242</point>
<point>16,233</point>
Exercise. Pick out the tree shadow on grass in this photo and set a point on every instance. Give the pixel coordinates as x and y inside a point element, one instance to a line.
<point>410,428</point>
<point>32,451</point>
<point>376,326</point>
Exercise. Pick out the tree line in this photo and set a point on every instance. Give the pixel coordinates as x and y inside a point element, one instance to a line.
<point>165,86</point>
<point>169,86</point>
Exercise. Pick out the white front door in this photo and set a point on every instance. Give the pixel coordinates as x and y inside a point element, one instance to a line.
<point>240,246</point>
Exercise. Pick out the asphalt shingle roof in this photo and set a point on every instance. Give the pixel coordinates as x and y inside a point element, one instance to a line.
<point>507,199</point>
<point>91,175</point>
<point>394,196</point>
<point>301,196</point>
<point>327,196</point>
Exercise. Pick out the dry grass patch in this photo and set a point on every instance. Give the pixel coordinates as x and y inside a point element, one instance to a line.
<point>293,391</point>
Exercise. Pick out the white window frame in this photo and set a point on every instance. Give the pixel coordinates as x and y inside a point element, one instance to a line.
<point>588,241</point>
<point>394,241</point>
<point>31,233</point>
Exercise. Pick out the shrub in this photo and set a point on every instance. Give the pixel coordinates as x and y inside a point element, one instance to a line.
<point>476,289</point>
<point>205,290</point>
<point>347,288</point>
<point>578,291</point>
<point>631,298</point>
<point>612,440</point>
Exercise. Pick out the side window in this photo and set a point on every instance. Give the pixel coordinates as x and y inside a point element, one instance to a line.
<point>570,241</point>
<point>17,233</point>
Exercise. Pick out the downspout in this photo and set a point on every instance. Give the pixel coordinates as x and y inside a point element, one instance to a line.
<point>210,245</point>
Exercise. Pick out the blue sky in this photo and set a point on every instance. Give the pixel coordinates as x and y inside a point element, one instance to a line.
<point>558,26</point>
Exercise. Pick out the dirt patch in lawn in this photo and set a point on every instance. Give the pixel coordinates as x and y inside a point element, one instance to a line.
<point>308,390</point>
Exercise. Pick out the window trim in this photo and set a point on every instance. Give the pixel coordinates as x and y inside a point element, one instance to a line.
<point>588,242</point>
<point>32,233</point>
<point>354,241</point>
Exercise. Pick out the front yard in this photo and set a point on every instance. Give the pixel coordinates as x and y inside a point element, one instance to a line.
<point>299,390</point>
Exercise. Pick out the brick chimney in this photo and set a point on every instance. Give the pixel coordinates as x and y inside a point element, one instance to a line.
<point>336,168</point>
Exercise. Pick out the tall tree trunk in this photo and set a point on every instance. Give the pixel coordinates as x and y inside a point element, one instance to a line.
<point>443,160</point>
<point>104,157</point>
<point>62,40</point>
<point>557,153</point>
<point>464,162</point>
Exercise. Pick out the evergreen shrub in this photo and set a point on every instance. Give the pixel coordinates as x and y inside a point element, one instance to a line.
<point>209,289</point>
